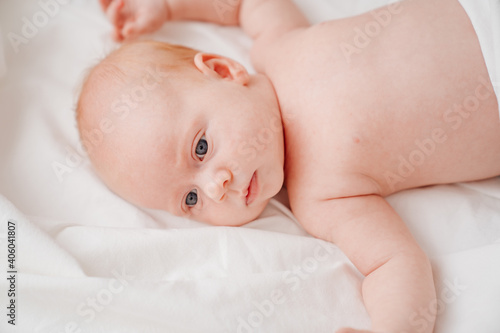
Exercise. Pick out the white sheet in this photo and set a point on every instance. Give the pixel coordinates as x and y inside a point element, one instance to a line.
<point>78,244</point>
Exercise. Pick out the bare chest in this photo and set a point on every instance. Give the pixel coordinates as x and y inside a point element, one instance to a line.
<point>398,116</point>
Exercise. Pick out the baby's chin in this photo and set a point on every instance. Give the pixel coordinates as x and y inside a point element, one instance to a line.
<point>236,219</point>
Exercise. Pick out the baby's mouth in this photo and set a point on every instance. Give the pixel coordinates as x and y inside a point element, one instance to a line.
<point>253,189</point>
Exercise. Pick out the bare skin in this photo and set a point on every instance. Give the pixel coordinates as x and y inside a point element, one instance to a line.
<point>411,107</point>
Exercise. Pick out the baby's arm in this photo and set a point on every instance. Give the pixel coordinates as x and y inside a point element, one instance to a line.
<point>398,280</point>
<point>263,20</point>
<point>256,17</point>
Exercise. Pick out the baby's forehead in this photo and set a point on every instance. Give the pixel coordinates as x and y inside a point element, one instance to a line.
<point>123,92</point>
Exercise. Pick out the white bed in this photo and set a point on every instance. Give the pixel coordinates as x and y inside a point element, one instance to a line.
<point>89,262</point>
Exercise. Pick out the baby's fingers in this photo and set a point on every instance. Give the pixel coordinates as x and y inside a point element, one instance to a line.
<point>116,16</point>
<point>114,12</point>
<point>105,4</point>
<point>135,28</point>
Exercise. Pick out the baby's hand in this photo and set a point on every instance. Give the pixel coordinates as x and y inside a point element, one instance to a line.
<point>132,18</point>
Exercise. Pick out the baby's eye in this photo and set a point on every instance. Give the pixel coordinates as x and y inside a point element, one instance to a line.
<point>202,148</point>
<point>192,198</point>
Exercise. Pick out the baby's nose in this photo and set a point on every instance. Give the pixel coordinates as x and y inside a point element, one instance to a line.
<point>217,185</point>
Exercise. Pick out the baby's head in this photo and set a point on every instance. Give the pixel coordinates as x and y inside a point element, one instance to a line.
<point>191,133</point>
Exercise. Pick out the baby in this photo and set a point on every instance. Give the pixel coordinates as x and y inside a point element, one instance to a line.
<point>345,113</point>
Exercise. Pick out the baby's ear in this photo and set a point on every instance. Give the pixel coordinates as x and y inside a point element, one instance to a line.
<point>216,66</point>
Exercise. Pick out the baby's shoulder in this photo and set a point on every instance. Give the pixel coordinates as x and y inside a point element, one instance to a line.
<point>310,187</point>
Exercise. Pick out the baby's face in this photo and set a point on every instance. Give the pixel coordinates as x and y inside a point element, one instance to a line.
<point>210,150</point>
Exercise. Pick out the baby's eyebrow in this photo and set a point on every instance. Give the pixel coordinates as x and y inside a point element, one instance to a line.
<point>181,163</point>
<point>185,148</point>
<point>174,205</point>
<point>179,211</point>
